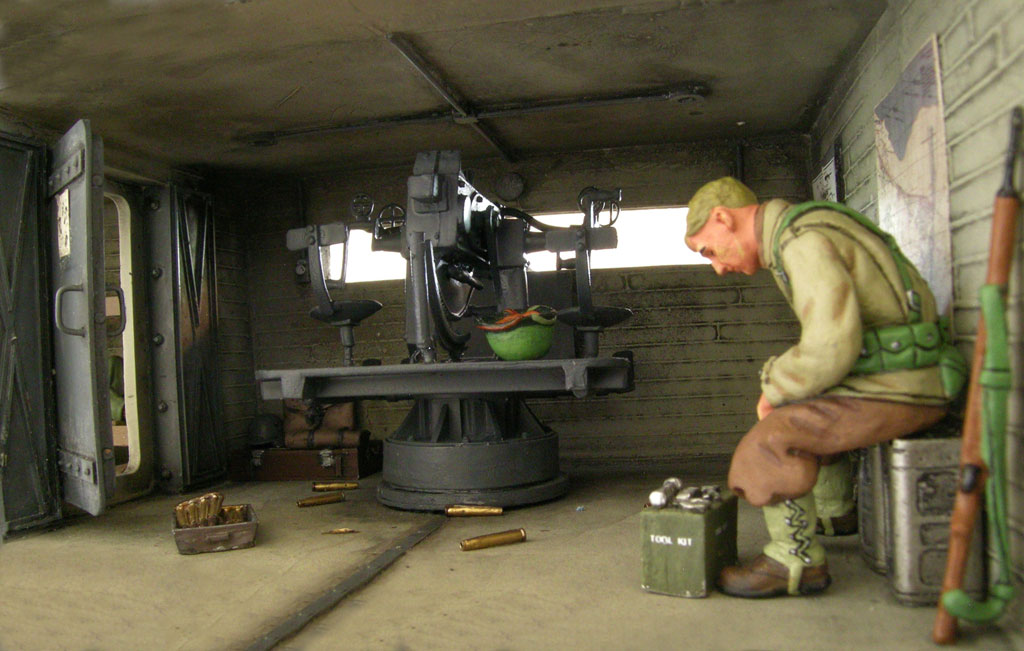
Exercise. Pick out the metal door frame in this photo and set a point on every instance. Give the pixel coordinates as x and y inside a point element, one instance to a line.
<point>40,428</point>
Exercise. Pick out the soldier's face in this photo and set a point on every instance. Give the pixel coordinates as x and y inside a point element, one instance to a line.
<point>722,246</point>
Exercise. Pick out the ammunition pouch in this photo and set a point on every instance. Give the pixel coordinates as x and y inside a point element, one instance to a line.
<point>912,346</point>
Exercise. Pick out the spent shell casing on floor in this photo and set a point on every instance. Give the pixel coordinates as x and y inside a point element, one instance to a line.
<point>342,530</point>
<point>324,486</point>
<point>460,510</point>
<point>317,500</point>
<point>493,540</point>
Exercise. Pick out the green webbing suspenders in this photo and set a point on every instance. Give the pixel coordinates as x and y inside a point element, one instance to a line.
<point>915,344</point>
<point>913,299</point>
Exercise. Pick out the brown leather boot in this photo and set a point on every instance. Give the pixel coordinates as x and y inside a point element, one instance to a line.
<point>764,577</point>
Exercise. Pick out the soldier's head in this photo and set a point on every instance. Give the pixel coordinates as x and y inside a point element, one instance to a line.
<point>720,226</point>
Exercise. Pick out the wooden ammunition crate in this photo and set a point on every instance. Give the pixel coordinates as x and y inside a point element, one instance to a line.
<point>284,464</point>
<point>217,538</point>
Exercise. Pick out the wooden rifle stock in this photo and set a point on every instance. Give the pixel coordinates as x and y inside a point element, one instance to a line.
<point>973,470</point>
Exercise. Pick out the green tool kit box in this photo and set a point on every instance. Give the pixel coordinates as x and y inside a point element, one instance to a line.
<point>689,535</point>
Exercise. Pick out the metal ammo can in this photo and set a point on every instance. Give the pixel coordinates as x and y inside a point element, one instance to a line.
<point>923,480</point>
<point>687,542</point>
<point>873,508</point>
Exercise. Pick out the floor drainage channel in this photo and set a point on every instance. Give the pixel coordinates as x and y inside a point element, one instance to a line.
<point>350,584</point>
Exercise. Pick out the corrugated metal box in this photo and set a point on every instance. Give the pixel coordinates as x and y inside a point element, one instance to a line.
<point>923,476</point>
<point>873,507</point>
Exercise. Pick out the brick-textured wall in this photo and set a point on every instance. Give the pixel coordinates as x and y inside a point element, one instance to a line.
<point>234,328</point>
<point>981,50</point>
<point>699,340</point>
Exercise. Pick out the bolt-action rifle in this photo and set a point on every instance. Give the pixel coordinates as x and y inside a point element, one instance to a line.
<point>982,455</point>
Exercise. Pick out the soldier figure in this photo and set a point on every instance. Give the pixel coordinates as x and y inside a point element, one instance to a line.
<point>873,363</point>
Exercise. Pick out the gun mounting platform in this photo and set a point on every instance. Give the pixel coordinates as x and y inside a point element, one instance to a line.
<point>470,438</point>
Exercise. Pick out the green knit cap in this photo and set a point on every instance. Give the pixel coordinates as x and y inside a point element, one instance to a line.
<point>725,191</point>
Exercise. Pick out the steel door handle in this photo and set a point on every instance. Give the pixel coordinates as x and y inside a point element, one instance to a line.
<point>124,315</point>
<point>58,300</point>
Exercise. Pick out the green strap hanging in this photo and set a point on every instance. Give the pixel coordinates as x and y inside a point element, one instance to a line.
<point>995,382</point>
<point>913,299</point>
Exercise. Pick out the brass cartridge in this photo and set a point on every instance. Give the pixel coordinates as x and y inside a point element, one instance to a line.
<point>317,500</point>
<point>192,509</point>
<point>209,508</point>
<point>181,515</point>
<point>218,500</point>
<point>342,530</point>
<point>232,513</point>
<point>324,486</point>
<point>462,510</point>
<point>202,511</point>
<point>203,504</point>
<point>493,540</point>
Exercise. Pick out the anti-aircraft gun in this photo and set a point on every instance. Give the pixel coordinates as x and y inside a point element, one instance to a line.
<point>455,239</point>
<point>469,438</point>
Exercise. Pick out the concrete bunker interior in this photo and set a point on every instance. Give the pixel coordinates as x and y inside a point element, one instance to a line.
<point>221,147</point>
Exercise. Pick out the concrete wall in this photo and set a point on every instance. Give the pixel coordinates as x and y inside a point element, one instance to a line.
<point>981,48</point>
<point>699,340</point>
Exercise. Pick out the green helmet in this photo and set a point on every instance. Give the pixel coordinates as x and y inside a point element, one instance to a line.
<point>725,191</point>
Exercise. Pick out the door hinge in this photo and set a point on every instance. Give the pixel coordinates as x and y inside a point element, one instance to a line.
<point>66,172</point>
<point>80,466</point>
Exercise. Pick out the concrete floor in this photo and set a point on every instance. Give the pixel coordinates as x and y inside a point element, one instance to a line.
<point>117,582</point>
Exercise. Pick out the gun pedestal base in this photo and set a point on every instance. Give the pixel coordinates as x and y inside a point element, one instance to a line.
<point>489,451</point>
<point>410,499</point>
<point>470,437</point>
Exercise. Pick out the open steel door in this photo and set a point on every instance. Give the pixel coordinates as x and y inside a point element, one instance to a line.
<point>28,481</point>
<point>85,455</point>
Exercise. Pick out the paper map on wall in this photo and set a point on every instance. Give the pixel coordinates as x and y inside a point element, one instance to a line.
<point>824,185</point>
<point>64,224</point>
<point>913,182</point>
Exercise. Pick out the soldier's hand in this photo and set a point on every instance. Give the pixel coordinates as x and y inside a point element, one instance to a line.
<point>763,407</point>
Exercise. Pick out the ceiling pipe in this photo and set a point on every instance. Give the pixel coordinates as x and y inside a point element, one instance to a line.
<point>463,110</point>
<point>684,93</point>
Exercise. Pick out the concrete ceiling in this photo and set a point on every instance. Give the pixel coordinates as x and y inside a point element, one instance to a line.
<point>300,85</point>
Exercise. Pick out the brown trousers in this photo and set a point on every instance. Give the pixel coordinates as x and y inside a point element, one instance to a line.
<point>778,459</point>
